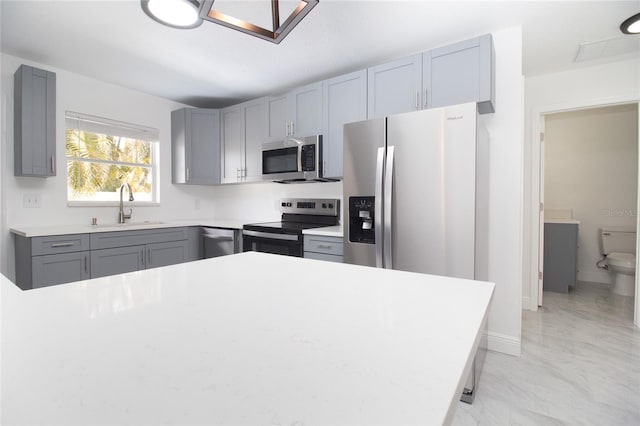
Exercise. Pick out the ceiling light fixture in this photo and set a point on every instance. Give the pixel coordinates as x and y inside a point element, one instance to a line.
<point>183,16</point>
<point>631,25</point>
<point>173,13</point>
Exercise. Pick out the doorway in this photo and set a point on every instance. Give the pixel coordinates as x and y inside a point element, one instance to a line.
<point>589,174</point>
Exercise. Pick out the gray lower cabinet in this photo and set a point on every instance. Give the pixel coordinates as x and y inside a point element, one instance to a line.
<point>34,122</point>
<point>120,260</point>
<point>323,248</point>
<point>55,269</point>
<point>57,259</point>
<point>560,256</point>
<point>45,261</point>
<point>117,260</point>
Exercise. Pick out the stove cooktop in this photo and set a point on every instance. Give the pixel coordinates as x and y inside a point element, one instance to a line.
<point>283,226</point>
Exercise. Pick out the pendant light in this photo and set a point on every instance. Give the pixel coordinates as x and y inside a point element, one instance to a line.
<point>631,25</point>
<point>173,13</point>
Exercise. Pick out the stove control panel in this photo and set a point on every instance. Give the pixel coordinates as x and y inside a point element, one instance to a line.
<point>311,206</point>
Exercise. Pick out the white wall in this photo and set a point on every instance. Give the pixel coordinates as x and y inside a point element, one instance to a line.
<point>591,167</point>
<point>81,94</point>
<point>505,194</point>
<point>615,82</point>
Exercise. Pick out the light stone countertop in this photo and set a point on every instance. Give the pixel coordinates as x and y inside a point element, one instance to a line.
<point>327,231</point>
<point>567,221</point>
<point>42,231</point>
<point>236,340</point>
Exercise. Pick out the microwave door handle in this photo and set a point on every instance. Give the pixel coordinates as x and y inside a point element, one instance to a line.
<point>300,157</point>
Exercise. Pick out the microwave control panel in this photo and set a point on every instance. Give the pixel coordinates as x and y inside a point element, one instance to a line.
<point>308,158</point>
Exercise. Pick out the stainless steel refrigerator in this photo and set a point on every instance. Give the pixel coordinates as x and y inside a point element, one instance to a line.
<point>415,187</point>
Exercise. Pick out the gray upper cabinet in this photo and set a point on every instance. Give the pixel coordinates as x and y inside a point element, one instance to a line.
<point>460,73</point>
<point>243,133</point>
<point>34,122</point>
<point>195,144</point>
<point>296,113</point>
<point>345,101</point>
<point>395,87</point>
<point>306,110</point>
<point>278,119</point>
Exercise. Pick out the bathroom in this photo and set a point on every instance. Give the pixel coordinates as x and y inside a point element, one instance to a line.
<point>591,174</point>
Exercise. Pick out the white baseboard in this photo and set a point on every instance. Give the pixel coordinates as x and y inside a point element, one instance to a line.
<point>594,277</point>
<point>502,343</point>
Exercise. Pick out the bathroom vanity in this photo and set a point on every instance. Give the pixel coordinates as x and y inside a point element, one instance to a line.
<point>560,254</point>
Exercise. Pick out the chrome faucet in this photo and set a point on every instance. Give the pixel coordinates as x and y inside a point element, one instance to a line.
<point>122,216</point>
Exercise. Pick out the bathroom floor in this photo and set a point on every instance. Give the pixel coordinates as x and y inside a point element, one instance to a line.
<point>580,364</point>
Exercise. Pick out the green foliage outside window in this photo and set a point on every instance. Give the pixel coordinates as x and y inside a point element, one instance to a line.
<point>98,164</point>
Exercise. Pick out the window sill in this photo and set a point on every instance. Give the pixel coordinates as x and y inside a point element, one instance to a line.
<point>112,204</point>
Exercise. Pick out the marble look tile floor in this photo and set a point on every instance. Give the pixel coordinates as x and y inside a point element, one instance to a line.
<point>580,365</point>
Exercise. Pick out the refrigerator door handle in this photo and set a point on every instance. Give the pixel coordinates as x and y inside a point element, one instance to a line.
<point>378,212</point>
<point>388,202</point>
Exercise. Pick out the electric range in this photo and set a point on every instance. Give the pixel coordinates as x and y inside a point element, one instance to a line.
<point>285,237</point>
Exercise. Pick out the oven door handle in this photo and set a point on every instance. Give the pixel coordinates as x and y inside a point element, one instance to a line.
<point>285,237</point>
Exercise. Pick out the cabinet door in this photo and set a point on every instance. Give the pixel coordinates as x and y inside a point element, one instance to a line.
<point>117,260</point>
<point>163,254</point>
<point>394,87</point>
<point>195,146</point>
<point>254,137</point>
<point>55,269</point>
<point>345,101</point>
<point>306,108</point>
<point>232,144</point>
<point>34,122</point>
<point>460,73</point>
<point>278,119</point>
<point>203,147</point>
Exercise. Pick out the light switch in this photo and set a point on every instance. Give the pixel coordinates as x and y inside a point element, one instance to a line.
<point>31,201</point>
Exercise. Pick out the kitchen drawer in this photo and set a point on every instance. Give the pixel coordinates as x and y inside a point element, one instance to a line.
<point>59,244</point>
<point>113,239</point>
<point>323,244</point>
<point>322,256</point>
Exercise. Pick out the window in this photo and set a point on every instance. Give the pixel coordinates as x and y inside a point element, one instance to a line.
<point>104,154</point>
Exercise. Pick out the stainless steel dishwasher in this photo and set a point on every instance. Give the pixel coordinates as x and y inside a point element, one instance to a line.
<point>219,242</point>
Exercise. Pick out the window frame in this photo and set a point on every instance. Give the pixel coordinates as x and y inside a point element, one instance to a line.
<point>111,127</point>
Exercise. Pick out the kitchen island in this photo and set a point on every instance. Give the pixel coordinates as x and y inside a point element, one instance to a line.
<point>251,338</point>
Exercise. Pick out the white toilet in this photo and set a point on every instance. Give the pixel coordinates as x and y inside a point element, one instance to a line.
<point>619,248</point>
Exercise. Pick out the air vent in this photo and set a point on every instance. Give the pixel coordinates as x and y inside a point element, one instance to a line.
<point>605,48</point>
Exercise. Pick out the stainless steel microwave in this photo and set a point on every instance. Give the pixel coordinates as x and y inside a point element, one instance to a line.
<point>293,159</point>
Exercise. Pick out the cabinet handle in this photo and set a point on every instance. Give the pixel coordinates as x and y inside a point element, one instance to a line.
<point>324,246</point>
<point>86,264</point>
<point>142,257</point>
<point>187,173</point>
<point>426,98</point>
<point>149,256</point>
<point>293,128</point>
<point>57,245</point>
<point>417,99</point>
<point>237,173</point>
<point>53,164</point>
<point>288,129</point>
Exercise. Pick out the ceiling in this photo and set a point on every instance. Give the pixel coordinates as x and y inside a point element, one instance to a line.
<point>213,66</point>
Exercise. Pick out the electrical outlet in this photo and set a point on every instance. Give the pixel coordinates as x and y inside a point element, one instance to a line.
<point>32,201</point>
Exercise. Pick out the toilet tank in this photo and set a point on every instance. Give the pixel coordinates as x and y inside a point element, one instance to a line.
<point>618,239</point>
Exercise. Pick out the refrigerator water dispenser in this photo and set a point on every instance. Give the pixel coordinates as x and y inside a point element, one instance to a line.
<point>362,220</point>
